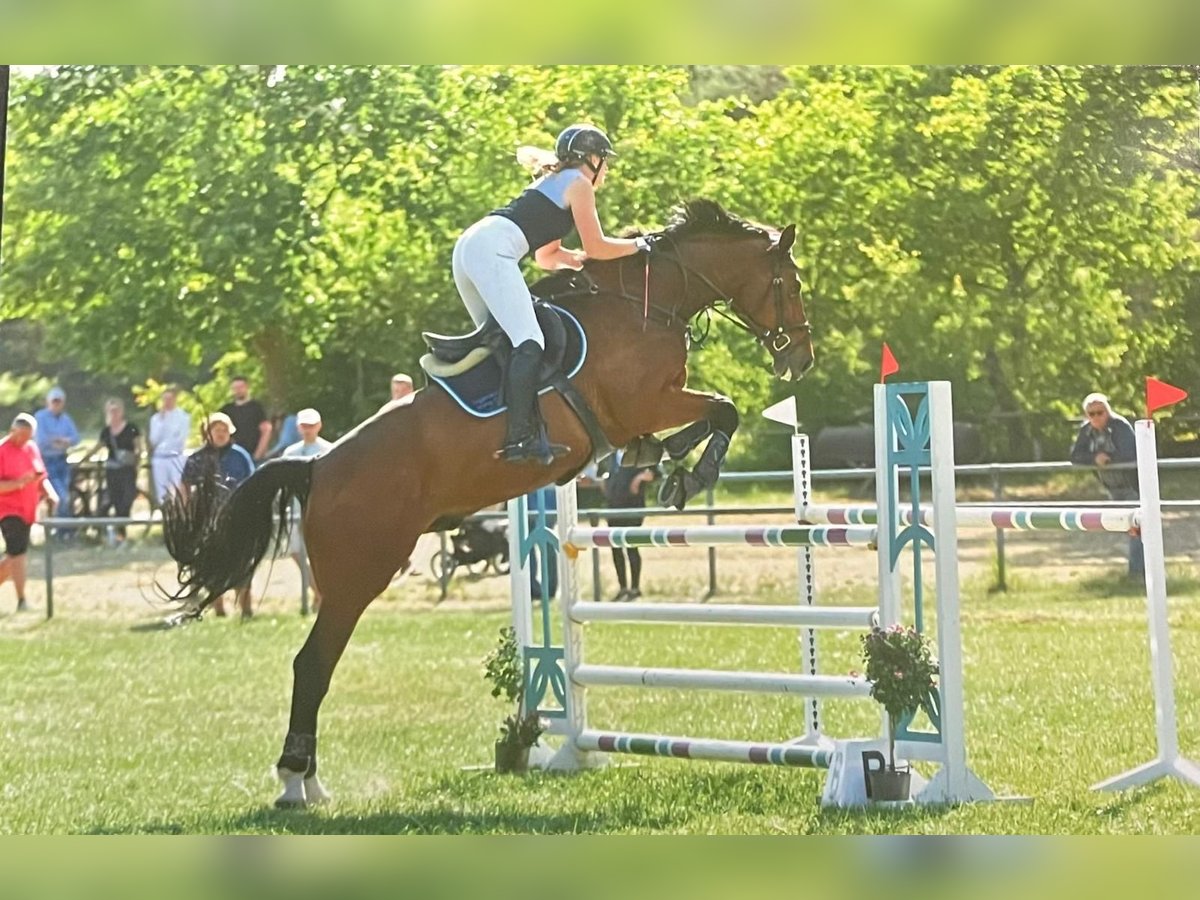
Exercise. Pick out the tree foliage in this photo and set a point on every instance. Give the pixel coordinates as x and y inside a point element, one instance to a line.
<point>1027,232</point>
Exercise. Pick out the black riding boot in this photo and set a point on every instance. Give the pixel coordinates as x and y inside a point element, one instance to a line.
<point>526,439</point>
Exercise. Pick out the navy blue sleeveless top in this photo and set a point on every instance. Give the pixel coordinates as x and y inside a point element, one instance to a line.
<point>540,211</point>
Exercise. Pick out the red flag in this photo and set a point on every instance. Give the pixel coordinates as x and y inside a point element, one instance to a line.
<point>889,365</point>
<point>1160,394</point>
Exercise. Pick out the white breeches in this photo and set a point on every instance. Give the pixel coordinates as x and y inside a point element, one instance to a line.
<point>487,273</point>
<point>167,472</point>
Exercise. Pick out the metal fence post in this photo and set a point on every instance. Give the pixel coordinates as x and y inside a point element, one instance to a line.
<point>998,494</point>
<point>711,499</point>
<point>594,521</point>
<point>49,539</point>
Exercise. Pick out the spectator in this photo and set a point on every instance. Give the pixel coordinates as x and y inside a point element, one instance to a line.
<point>56,435</point>
<point>170,428</point>
<point>402,386</point>
<point>230,464</point>
<point>402,391</point>
<point>286,434</point>
<point>22,479</point>
<point>123,442</point>
<point>250,425</point>
<point>1106,438</point>
<point>623,490</point>
<point>310,444</point>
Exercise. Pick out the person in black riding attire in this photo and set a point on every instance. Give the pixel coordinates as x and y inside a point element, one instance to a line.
<point>488,275</point>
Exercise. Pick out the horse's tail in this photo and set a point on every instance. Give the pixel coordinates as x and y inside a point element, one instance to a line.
<point>218,537</point>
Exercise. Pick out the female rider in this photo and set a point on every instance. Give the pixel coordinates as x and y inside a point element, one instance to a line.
<point>488,275</point>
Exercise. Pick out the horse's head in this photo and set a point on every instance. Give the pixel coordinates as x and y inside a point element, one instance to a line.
<point>770,305</point>
<point>751,269</point>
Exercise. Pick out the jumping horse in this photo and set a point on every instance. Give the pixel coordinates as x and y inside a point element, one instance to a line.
<point>416,467</point>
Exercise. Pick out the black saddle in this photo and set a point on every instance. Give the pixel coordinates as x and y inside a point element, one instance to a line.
<point>490,337</point>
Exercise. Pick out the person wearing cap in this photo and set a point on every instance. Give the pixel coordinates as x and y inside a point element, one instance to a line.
<point>487,267</point>
<point>22,481</point>
<point>311,444</point>
<point>402,391</point>
<point>402,386</point>
<point>230,465</point>
<point>219,456</point>
<point>56,435</point>
<point>1105,438</point>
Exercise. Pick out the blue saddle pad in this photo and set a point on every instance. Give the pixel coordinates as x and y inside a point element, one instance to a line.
<point>478,389</point>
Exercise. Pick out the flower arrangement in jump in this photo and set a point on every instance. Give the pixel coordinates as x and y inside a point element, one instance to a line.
<point>901,669</point>
<point>503,668</point>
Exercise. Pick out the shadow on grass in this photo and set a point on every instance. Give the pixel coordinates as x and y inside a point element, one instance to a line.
<point>628,799</point>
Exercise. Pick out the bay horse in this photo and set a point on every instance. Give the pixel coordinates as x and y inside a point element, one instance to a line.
<point>426,462</point>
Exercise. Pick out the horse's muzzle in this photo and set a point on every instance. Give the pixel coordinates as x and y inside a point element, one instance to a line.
<point>794,363</point>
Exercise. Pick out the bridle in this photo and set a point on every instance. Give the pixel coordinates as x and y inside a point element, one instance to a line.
<point>776,339</point>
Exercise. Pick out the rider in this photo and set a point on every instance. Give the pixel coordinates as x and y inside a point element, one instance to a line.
<point>488,275</point>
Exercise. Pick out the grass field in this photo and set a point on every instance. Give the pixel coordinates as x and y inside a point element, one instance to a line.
<point>113,724</point>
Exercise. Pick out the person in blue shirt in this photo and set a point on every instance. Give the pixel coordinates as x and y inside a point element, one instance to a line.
<point>231,465</point>
<point>289,433</point>
<point>56,435</point>
<point>487,267</point>
<point>1105,438</point>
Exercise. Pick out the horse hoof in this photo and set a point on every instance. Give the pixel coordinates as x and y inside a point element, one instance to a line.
<point>315,793</point>
<point>672,491</point>
<point>293,796</point>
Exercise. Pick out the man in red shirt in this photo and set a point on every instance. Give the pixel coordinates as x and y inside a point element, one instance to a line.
<point>22,481</point>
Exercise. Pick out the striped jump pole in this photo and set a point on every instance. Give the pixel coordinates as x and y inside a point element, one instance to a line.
<point>767,754</point>
<point>1014,518</point>
<point>578,539</point>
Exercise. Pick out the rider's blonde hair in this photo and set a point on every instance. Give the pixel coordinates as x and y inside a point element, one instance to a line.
<point>540,161</point>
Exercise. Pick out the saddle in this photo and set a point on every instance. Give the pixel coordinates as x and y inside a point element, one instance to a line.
<point>471,367</point>
<point>452,355</point>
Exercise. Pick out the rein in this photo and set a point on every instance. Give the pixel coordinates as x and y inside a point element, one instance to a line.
<point>775,339</point>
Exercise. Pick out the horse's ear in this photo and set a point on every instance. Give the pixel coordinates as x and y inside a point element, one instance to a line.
<point>786,238</point>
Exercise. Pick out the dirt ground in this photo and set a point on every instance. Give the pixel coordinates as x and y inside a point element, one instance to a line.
<point>120,584</point>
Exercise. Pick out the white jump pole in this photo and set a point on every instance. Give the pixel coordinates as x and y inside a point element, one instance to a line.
<point>1169,762</point>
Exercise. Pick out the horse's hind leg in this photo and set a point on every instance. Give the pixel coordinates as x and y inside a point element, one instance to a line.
<point>348,585</point>
<point>312,670</point>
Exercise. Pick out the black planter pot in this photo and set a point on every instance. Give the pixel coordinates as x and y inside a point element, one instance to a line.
<point>884,784</point>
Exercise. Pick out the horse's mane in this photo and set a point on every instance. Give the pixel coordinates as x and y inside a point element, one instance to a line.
<point>691,218</point>
<point>703,216</point>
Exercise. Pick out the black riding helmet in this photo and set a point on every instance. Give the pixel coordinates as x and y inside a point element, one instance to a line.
<point>578,142</point>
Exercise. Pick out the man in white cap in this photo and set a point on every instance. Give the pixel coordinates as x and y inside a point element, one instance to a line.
<point>56,435</point>
<point>402,391</point>
<point>1105,438</point>
<point>22,481</point>
<point>310,444</point>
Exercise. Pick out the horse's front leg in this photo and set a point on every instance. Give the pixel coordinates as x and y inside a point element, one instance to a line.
<point>720,420</point>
